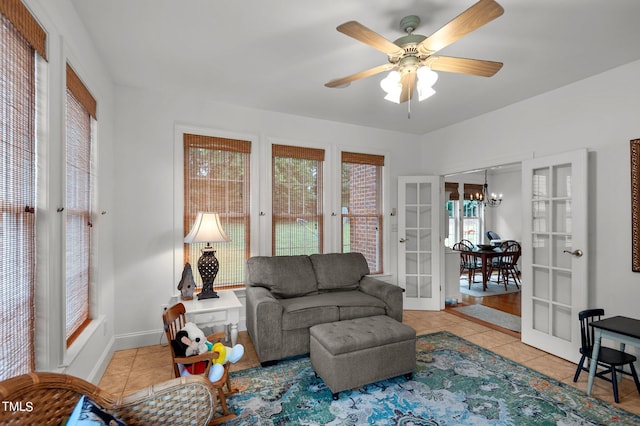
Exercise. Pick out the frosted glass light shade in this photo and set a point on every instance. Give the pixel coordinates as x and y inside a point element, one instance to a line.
<point>427,76</point>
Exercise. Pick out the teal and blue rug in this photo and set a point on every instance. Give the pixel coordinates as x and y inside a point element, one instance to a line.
<point>463,385</point>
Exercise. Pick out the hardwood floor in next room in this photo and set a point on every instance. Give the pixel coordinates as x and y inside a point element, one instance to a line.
<point>509,303</point>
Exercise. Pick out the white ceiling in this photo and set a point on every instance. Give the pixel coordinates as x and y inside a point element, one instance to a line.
<point>277,54</point>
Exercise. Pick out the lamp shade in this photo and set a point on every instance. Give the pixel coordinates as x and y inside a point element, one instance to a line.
<point>206,229</point>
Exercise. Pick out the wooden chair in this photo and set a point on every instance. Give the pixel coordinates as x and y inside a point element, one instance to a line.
<point>467,261</point>
<point>507,264</point>
<point>611,359</point>
<point>53,396</point>
<point>174,320</point>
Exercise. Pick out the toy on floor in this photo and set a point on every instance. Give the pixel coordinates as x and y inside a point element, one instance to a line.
<point>190,340</point>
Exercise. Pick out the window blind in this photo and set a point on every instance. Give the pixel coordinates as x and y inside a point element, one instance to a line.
<point>217,179</point>
<point>297,209</point>
<point>362,207</point>
<point>452,189</point>
<point>78,205</point>
<point>472,189</point>
<point>20,38</point>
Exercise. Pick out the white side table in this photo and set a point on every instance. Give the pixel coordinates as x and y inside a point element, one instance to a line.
<point>222,310</point>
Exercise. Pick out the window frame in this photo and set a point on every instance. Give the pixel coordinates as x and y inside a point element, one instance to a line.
<point>32,39</point>
<point>359,156</point>
<point>292,153</point>
<point>179,232</point>
<point>76,88</point>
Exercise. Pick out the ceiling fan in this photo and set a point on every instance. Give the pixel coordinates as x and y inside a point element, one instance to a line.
<point>411,57</point>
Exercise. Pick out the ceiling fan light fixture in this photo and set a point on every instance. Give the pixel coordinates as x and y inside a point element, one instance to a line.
<point>393,97</point>
<point>392,86</point>
<point>425,92</point>
<point>427,76</point>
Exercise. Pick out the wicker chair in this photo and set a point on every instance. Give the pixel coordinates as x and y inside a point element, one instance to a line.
<point>52,397</point>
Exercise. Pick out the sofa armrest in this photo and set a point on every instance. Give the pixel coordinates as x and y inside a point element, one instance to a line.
<point>264,321</point>
<point>390,294</point>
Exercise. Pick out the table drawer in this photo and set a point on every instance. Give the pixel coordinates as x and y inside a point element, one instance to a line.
<point>209,317</point>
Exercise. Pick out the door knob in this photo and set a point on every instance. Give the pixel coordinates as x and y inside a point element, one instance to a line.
<point>402,240</point>
<point>576,253</point>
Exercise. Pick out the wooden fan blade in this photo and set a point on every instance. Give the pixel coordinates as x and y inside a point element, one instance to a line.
<point>408,81</point>
<point>463,65</point>
<point>471,19</point>
<point>361,33</point>
<point>337,82</point>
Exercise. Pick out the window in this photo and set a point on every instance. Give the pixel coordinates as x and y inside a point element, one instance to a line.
<point>21,40</point>
<point>472,220</point>
<point>297,219</point>
<point>216,179</point>
<point>451,216</point>
<point>362,207</point>
<point>80,110</point>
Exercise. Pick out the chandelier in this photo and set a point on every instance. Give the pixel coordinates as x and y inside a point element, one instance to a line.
<point>491,200</point>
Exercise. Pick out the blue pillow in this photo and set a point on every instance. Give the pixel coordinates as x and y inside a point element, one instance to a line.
<point>88,413</point>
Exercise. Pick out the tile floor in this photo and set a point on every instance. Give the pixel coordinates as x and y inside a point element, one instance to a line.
<point>134,369</point>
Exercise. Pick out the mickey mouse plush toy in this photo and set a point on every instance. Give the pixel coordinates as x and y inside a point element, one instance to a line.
<point>190,340</point>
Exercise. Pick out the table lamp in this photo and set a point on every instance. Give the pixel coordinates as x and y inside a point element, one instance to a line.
<point>207,229</point>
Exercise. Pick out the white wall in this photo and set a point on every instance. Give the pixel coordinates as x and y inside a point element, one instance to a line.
<point>506,219</point>
<point>599,113</point>
<point>68,41</point>
<point>149,226</point>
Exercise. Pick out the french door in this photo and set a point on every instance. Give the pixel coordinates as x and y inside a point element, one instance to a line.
<point>554,251</point>
<point>419,247</point>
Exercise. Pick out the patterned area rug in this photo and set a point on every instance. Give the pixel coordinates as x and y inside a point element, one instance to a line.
<point>463,385</point>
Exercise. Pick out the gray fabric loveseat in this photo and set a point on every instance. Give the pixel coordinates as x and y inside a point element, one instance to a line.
<point>286,295</point>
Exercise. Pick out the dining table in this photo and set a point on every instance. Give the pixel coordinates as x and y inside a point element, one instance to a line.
<point>619,328</point>
<point>486,254</point>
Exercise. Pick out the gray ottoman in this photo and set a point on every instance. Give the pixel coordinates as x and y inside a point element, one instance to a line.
<point>349,354</point>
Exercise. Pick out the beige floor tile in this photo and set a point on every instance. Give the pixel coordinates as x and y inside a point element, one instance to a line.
<point>518,351</point>
<point>552,366</point>
<point>490,339</point>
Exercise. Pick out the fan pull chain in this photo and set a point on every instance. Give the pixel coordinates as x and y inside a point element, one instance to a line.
<point>409,103</point>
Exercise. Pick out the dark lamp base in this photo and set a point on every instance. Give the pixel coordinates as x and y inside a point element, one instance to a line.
<point>207,294</point>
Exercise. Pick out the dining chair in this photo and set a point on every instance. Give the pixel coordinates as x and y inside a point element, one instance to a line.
<point>507,264</point>
<point>612,360</point>
<point>174,319</point>
<point>467,261</point>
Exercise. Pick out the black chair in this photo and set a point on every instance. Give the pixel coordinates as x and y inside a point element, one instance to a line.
<point>608,358</point>
<point>467,261</point>
<point>507,265</point>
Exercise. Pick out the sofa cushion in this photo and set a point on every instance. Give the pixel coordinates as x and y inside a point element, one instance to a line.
<point>283,276</point>
<point>339,271</point>
<point>304,312</point>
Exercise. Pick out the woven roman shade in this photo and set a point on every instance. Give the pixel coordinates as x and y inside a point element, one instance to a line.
<point>452,189</point>
<point>217,179</point>
<point>472,189</point>
<point>18,47</point>
<point>80,92</point>
<point>24,22</point>
<point>357,158</point>
<point>79,190</point>
<point>297,218</point>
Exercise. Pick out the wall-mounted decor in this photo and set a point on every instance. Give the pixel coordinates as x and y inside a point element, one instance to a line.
<point>635,205</point>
